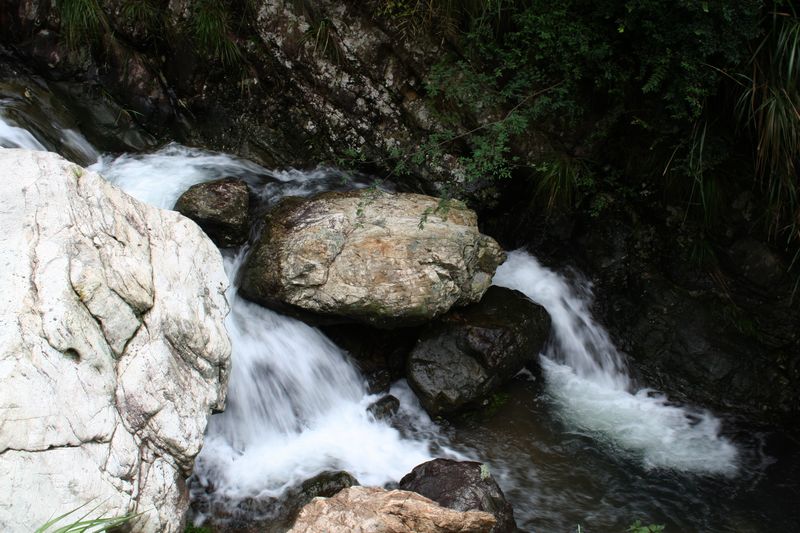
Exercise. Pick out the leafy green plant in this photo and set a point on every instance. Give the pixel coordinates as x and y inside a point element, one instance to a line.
<point>770,105</point>
<point>637,527</point>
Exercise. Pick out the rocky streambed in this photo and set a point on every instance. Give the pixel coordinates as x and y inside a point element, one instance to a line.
<point>366,342</point>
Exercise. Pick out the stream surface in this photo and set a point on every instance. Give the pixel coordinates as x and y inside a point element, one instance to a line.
<point>578,443</point>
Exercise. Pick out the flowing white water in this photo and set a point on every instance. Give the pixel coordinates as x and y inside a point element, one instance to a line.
<point>159,178</point>
<point>296,405</point>
<point>13,137</point>
<point>586,378</point>
<point>66,140</point>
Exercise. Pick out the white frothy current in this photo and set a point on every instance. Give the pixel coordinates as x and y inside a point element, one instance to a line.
<point>69,141</point>
<point>296,408</point>
<point>13,137</point>
<point>586,377</point>
<point>296,405</point>
<point>159,178</point>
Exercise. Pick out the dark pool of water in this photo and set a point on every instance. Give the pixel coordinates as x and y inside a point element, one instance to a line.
<point>557,479</point>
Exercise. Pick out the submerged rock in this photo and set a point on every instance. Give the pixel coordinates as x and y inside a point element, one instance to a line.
<point>384,408</point>
<point>113,350</point>
<point>373,510</point>
<point>220,208</point>
<point>380,354</point>
<point>469,352</point>
<point>381,258</point>
<point>462,486</point>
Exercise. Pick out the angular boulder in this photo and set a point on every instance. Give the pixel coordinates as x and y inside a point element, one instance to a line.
<point>374,510</point>
<point>113,350</point>
<point>467,353</point>
<point>381,258</point>
<point>220,207</point>
<point>462,486</point>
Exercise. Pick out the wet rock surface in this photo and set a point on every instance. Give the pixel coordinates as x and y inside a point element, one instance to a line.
<point>462,486</point>
<point>386,259</point>
<point>384,408</point>
<point>267,514</point>
<point>709,337</point>
<point>469,352</point>
<point>220,208</point>
<point>379,354</point>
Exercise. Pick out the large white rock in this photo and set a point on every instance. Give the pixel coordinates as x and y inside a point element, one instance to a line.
<point>113,350</point>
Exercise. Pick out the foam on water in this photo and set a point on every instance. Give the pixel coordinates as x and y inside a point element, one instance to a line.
<point>296,405</point>
<point>160,177</point>
<point>586,378</point>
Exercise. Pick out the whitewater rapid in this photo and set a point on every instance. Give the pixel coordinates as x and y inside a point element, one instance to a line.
<point>297,404</point>
<point>586,377</point>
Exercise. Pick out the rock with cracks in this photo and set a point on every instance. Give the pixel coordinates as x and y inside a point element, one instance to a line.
<point>113,350</point>
<point>380,258</point>
<point>374,510</point>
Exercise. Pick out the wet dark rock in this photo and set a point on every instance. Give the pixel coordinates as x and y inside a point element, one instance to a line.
<point>379,354</point>
<point>758,263</point>
<point>462,486</point>
<point>704,351</point>
<point>722,338</point>
<point>469,352</point>
<point>134,76</point>
<point>220,208</point>
<point>384,408</point>
<point>264,514</point>
<point>46,109</point>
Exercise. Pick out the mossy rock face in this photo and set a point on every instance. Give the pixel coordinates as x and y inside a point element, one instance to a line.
<point>385,259</point>
<point>220,208</point>
<point>466,354</point>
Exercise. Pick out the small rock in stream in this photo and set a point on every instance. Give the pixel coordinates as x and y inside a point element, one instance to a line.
<point>384,408</point>
<point>220,208</point>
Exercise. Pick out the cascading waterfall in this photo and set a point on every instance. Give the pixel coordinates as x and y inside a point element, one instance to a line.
<point>14,137</point>
<point>586,378</point>
<point>296,408</point>
<point>64,140</point>
<point>296,405</point>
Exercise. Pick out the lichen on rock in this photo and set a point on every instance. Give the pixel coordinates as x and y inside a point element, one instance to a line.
<point>386,259</point>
